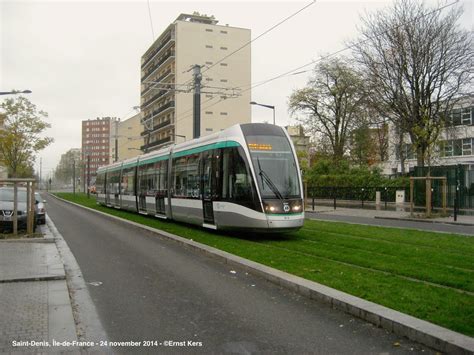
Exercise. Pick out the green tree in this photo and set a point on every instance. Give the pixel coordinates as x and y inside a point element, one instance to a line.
<point>362,150</point>
<point>20,137</point>
<point>331,103</point>
<point>69,165</point>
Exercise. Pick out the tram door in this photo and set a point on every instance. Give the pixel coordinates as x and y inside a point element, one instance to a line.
<point>161,187</point>
<point>142,188</point>
<point>208,182</point>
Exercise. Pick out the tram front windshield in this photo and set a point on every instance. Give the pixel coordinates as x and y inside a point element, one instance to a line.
<point>275,165</point>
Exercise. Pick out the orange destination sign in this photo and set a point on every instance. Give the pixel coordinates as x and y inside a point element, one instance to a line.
<point>256,146</point>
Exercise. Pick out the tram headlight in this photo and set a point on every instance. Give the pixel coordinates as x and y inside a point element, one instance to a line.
<point>271,206</point>
<point>278,206</point>
<point>296,208</point>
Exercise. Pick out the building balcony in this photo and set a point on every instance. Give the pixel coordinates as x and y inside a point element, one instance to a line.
<point>159,110</point>
<point>160,79</point>
<point>151,56</point>
<point>150,72</point>
<point>155,143</point>
<point>153,98</point>
<point>157,127</point>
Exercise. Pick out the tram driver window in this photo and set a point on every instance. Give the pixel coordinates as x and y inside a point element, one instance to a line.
<point>236,182</point>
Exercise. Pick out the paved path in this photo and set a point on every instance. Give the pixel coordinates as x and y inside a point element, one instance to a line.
<point>34,298</point>
<point>399,219</point>
<point>149,289</point>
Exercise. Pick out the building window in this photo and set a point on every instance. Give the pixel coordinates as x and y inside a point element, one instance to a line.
<point>223,64</point>
<point>456,117</point>
<point>224,48</point>
<point>208,129</point>
<point>209,63</point>
<point>208,46</point>
<point>466,116</point>
<point>408,152</point>
<point>209,30</point>
<point>223,113</point>
<point>208,112</point>
<point>467,146</point>
<point>224,32</point>
<point>223,80</point>
<point>209,79</point>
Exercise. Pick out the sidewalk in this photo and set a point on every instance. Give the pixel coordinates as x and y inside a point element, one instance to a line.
<point>34,298</point>
<point>384,214</point>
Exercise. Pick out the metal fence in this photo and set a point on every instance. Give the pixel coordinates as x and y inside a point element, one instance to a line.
<point>355,195</point>
<point>460,185</point>
<point>460,190</point>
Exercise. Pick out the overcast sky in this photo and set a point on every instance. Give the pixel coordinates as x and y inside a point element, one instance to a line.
<point>81,59</point>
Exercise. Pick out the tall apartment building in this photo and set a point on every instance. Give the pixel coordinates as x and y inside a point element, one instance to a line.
<point>98,143</point>
<point>194,40</point>
<point>129,139</point>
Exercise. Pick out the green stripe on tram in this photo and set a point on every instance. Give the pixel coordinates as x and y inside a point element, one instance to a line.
<point>153,160</point>
<point>118,168</point>
<point>226,144</point>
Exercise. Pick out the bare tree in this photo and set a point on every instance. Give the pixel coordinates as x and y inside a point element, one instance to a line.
<point>419,62</point>
<point>331,103</point>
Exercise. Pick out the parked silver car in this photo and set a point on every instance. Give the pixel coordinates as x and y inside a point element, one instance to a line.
<point>6,208</point>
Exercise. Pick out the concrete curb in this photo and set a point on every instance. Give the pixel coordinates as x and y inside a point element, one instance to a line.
<point>415,329</point>
<point>425,221</point>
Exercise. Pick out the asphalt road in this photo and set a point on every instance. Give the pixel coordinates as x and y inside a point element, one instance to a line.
<point>426,226</point>
<point>149,289</point>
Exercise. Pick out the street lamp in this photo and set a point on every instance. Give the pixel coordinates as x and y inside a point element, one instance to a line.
<point>14,92</point>
<point>267,106</point>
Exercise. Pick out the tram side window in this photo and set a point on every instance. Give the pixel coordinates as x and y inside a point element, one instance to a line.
<point>186,176</point>
<point>113,182</point>
<point>237,183</point>
<point>128,181</point>
<point>99,183</point>
<point>193,176</point>
<point>179,177</point>
<point>162,182</point>
<point>147,179</point>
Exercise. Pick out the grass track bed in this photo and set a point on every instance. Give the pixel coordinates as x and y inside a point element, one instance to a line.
<point>415,272</point>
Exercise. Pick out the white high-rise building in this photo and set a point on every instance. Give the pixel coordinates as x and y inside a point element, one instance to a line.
<point>194,40</point>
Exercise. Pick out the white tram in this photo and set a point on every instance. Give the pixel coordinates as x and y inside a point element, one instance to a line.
<point>245,177</point>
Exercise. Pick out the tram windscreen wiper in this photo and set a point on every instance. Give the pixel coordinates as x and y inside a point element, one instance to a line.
<point>269,181</point>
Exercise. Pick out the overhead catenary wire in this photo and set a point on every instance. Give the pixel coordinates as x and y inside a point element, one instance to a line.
<point>298,70</point>
<point>151,21</point>
<point>293,71</point>
<point>261,35</point>
<point>256,38</point>
<point>240,48</point>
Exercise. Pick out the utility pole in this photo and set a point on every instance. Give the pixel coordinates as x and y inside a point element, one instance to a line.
<point>74,177</point>
<point>88,174</point>
<point>116,140</point>
<point>197,101</point>
<point>41,168</point>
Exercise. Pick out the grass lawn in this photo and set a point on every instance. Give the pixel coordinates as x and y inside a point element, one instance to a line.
<point>425,274</point>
